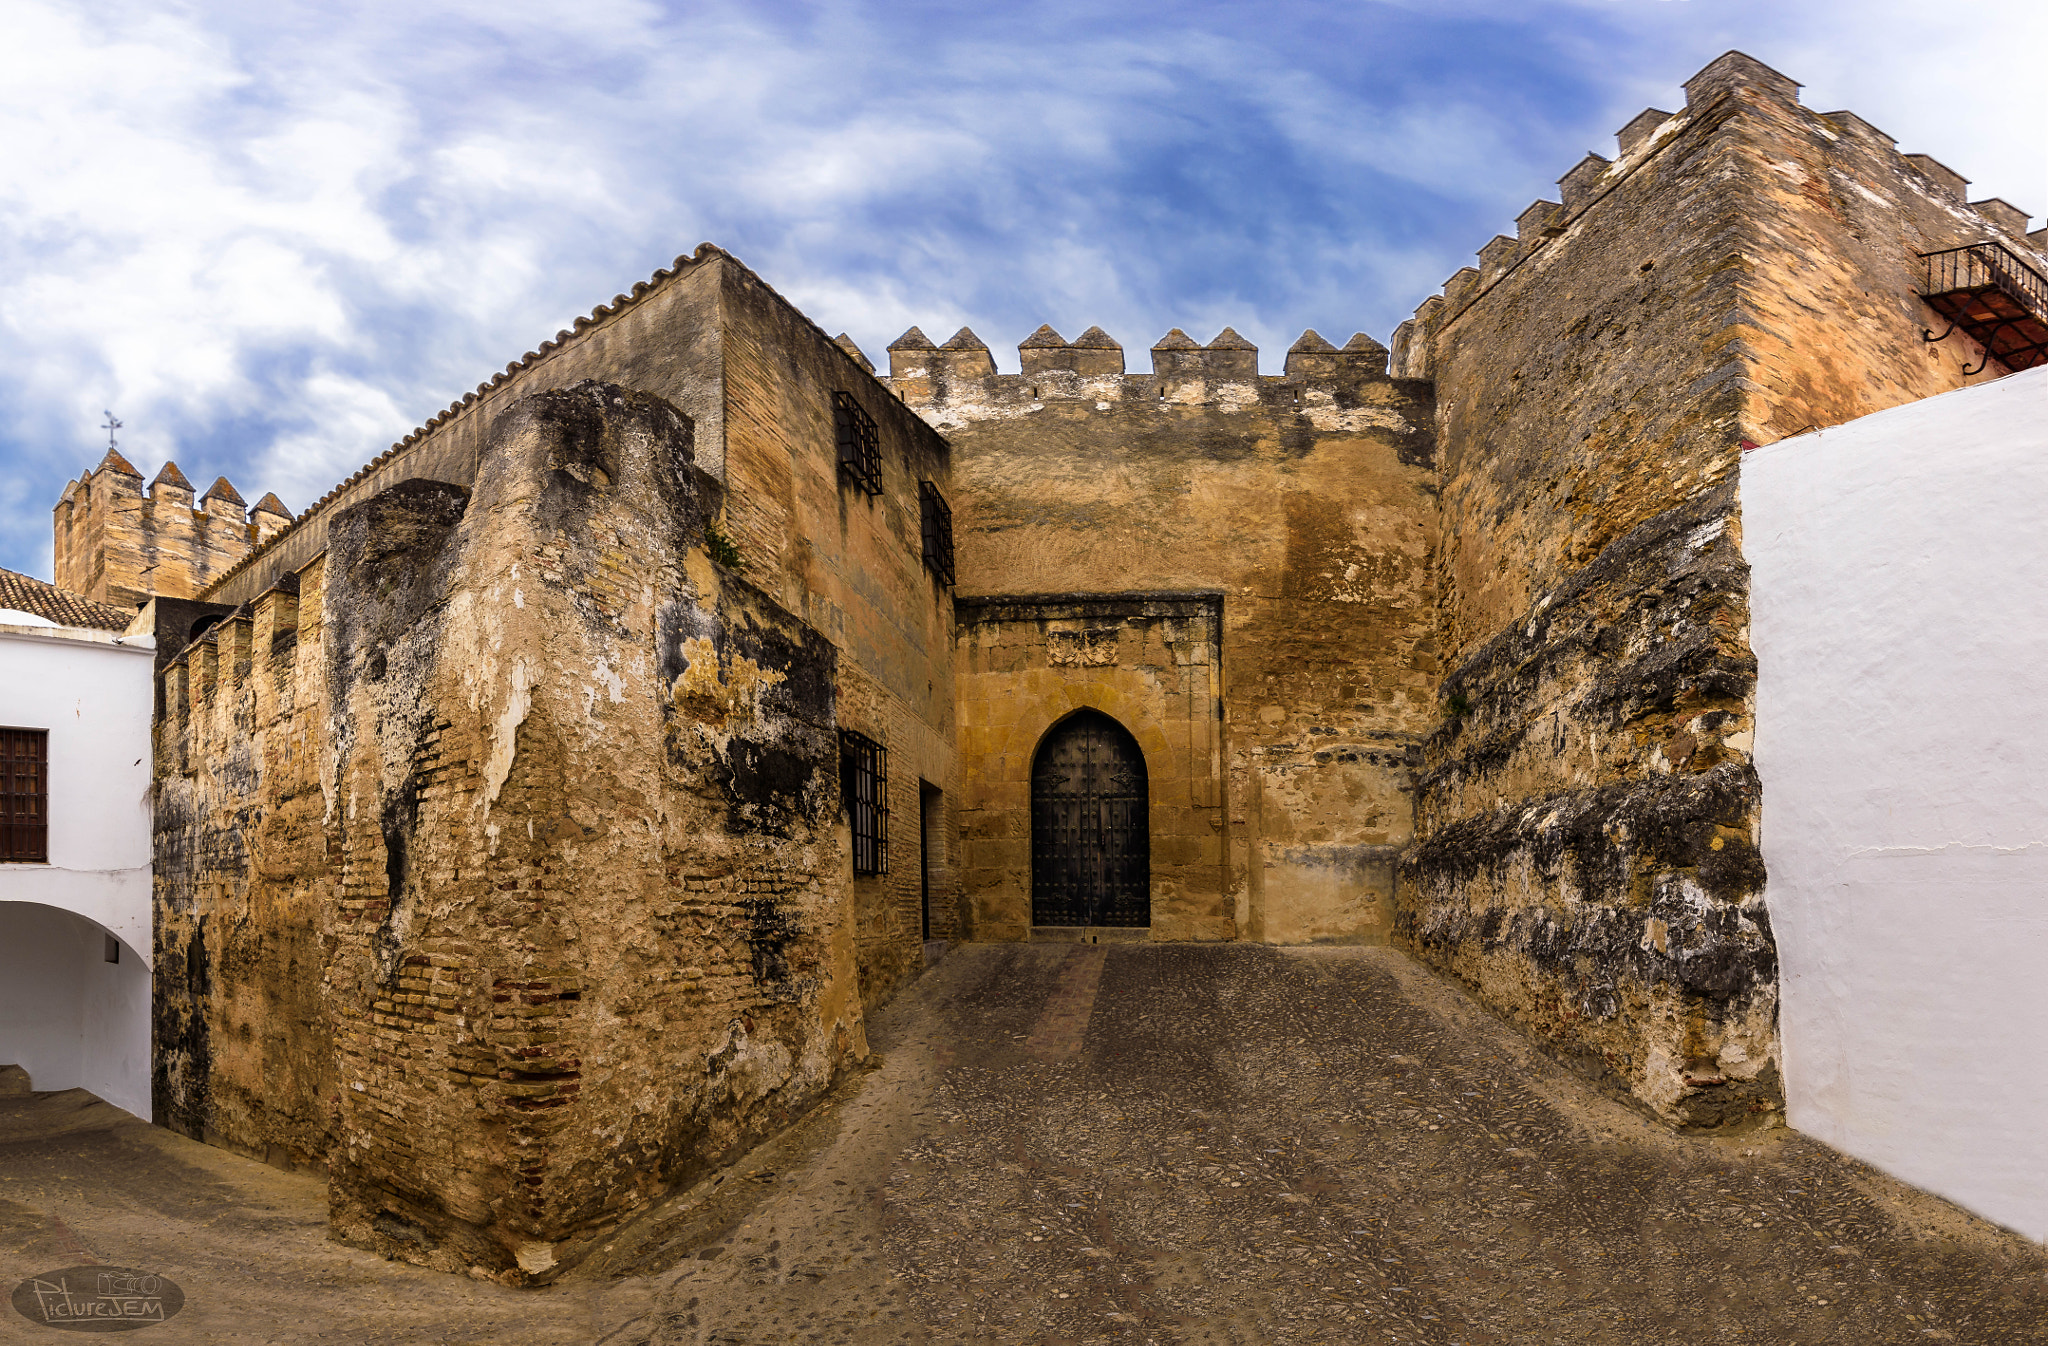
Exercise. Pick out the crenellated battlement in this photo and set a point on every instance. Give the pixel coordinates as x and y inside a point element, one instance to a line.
<point>1731,82</point>
<point>233,686</point>
<point>121,543</point>
<point>960,376</point>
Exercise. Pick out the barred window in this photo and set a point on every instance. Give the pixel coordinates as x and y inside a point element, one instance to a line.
<point>864,775</point>
<point>24,794</point>
<point>860,448</point>
<point>938,530</point>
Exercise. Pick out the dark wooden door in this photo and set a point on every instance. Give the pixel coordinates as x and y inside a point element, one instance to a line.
<point>1091,849</point>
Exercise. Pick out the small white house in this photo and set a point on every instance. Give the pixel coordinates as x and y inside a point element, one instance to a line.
<point>1899,613</point>
<point>75,906</point>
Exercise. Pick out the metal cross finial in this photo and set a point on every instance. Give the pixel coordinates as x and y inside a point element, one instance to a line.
<point>113,424</point>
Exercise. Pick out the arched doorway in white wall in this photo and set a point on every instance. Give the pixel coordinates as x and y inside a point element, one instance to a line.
<point>74,1005</point>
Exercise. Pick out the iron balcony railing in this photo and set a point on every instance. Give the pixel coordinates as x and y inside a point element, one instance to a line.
<point>1992,294</point>
<point>1976,266</point>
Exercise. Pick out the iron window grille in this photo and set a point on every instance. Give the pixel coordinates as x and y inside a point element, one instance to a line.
<point>25,794</point>
<point>860,448</point>
<point>938,530</point>
<point>864,775</point>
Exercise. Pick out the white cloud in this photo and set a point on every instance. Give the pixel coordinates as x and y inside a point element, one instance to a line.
<point>275,236</point>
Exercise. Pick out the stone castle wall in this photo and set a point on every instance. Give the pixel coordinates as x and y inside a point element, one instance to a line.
<point>852,565</point>
<point>756,379</point>
<point>1151,662</point>
<point>1305,503</point>
<point>501,869</point>
<point>1588,813</point>
<point>501,863</point>
<point>534,804</point>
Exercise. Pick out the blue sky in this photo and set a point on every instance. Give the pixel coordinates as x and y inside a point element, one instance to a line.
<point>273,238</point>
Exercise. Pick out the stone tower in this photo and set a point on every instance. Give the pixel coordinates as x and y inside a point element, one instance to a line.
<point>120,544</point>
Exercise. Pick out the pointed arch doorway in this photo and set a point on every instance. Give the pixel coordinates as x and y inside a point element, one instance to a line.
<point>1091,845</point>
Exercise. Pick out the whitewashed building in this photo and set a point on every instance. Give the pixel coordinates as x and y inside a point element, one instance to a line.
<point>75,945</point>
<point>1899,611</point>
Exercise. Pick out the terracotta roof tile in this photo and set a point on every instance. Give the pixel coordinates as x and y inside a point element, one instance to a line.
<point>25,593</point>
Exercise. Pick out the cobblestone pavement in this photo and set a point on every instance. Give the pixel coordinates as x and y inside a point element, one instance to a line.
<point>1117,1143</point>
<point>1237,1144</point>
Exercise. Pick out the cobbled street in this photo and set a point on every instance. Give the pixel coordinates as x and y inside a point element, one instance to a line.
<point>1122,1143</point>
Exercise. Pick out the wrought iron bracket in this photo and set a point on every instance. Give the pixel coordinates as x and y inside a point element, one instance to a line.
<point>1927,334</point>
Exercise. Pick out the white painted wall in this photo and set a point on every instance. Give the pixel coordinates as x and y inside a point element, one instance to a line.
<point>1899,612</point>
<point>68,1017</point>
<point>61,1003</point>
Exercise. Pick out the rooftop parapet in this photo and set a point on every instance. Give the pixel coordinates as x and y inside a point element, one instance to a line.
<point>114,462</point>
<point>922,372</point>
<point>1093,354</point>
<point>223,500</point>
<point>910,355</point>
<point>1314,359</point>
<point>1734,70</point>
<point>1543,219</point>
<point>170,484</point>
<point>1643,139</point>
<point>2004,214</point>
<point>1231,358</point>
<point>1096,352</point>
<point>1946,180</point>
<point>1459,289</point>
<point>1854,125</point>
<point>1044,351</point>
<point>1580,185</point>
<point>1640,128</point>
<point>1497,256</point>
<point>847,344</point>
<point>1407,347</point>
<point>1228,359</point>
<point>1091,368</point>
<point>269,516</point>
<point>964,356</point>
<point>1177,355</point>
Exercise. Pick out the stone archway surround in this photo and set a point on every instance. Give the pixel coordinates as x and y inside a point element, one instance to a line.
<point>1151,668</point>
